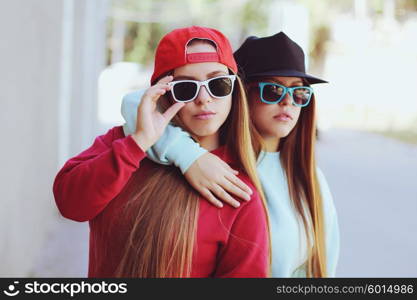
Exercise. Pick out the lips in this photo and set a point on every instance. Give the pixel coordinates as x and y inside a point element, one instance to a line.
<point>283,117</point>
<point>205,115</point>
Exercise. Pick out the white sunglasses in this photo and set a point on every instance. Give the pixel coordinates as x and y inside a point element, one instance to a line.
<point>217,87</point>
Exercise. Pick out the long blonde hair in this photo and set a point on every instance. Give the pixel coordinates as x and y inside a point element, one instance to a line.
<point>297,156</point>
<point>163,208</point>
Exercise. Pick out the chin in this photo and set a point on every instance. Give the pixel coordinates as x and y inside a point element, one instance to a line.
<point>284,134</point>
<point>280,132</point>
<point>204,130</point>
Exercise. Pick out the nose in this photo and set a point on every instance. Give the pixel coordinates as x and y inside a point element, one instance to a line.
<point>203,96</point>
<point>287,99</point>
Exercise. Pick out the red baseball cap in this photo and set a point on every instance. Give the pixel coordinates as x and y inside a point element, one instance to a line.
<point>171,52</point>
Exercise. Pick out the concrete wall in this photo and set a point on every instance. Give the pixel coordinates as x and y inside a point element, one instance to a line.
<point>50,56</point>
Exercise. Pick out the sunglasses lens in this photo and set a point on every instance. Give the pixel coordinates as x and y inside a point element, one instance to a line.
<point>184,91</point>
<point>302,95</point>
<point>272,92</point>
<point>221,87</point>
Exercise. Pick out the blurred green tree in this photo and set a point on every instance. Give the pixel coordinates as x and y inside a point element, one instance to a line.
<point>147,21</point>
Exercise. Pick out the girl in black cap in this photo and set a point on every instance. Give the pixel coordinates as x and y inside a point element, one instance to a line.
<point>303,219</point>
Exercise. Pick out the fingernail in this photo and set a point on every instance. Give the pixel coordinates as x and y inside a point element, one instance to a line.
<point>220,205</point>
<point>236,204</point>
<point>247,197</point>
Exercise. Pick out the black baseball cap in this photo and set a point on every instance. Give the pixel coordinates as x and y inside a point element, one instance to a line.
<point>275,55</point>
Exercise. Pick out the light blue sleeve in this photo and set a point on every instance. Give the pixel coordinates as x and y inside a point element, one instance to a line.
<point>332,231</point>
<point>175,146</point>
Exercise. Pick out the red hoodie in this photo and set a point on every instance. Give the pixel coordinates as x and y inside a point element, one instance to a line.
<point>231,242</point>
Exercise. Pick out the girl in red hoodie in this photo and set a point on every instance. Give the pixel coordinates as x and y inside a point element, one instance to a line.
<point>145,220</point>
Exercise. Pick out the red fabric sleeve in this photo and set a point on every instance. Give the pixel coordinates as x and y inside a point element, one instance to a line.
<point>246,253</point>
<point>90,180</point>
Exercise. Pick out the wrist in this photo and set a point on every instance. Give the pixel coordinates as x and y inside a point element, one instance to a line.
<point>142,141</point>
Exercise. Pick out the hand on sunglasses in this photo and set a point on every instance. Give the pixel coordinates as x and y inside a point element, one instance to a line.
<point>217,182</point>
<point>151,123</point>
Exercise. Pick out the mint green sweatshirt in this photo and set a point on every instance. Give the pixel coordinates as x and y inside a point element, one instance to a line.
<point>288,237</point>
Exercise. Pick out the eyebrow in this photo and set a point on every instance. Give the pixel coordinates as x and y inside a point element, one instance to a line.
<point>280,82</point>
<point>209,75</point>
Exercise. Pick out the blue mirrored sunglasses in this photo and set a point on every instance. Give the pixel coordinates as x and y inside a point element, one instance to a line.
<point>273,93</point>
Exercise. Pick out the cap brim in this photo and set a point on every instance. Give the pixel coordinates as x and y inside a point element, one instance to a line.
<point>289,73</point>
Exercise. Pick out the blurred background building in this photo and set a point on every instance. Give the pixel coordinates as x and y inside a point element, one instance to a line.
<point>67,63</point>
